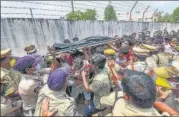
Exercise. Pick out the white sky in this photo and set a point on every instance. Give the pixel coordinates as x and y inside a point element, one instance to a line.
<point>61,8</point>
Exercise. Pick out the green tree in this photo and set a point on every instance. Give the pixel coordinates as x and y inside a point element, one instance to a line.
<point>75,15</point>
<point>176,15</point>
<point>109,13</point>
<point>165,18</point>
<point>90,14</point>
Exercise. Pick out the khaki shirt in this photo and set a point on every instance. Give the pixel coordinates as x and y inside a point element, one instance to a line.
<point>59,100</point>
<point>123,108</point>
<point>110,99</point>
<point>12,79</point>
<point>100,86</point>
<point>140,66</point>
<point>159,60</point>
<point>27,87</point>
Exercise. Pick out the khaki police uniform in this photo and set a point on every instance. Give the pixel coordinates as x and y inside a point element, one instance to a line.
<point>30,49</point>
<point>109,100</point>
<point>27,90</point>
<point>100,86</point>
<point>8,107</point>
<point>159,60</point>
<point>123,108</point>
<point>59,100</point>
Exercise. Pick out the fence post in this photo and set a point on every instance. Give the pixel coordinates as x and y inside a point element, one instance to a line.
<point>31,13</point>
<point>109,2</point>
<point>154,14</point>
<point>72,6</point>
<point>144,13</point>
<point>132,10</point>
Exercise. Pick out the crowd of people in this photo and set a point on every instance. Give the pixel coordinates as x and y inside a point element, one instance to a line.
<point>128,78</point>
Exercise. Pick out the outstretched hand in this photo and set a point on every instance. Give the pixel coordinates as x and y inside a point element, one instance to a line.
<point>83,74</point>
<point>45,108</point>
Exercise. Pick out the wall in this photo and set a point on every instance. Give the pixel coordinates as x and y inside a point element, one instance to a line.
<point>17,33</point>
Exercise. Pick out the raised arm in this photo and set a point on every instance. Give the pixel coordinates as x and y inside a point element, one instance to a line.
<point>165,108</point>
<point>112,47</point>
<point>54,62</point>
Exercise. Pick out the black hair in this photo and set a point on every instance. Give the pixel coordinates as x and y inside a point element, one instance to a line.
<point>124,50</point>
<point>98,60</point>
<point>76,53</point>
<point>78,63</point>
<point>118,43</point>
<point>134,33</point>
<point>3,59</point>
<point>141,88</point>
<point>75,39</point>
<point>66,41</point>
<point>115,36</point>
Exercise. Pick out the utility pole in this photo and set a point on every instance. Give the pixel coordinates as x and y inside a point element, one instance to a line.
<point>72,6</point>
<point>144,13</point>
<point>154,14</point>
<point>132,10</point>
<point>31,13</point>
<point>110,2</point>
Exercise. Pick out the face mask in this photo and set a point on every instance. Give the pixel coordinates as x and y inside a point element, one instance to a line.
<point>38,67</point>
<point>70,83</point>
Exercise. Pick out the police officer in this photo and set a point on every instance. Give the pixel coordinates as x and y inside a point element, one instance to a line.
<point>137,98</point>
<point>160,60</point>
<point>30,49</point>
<point>6,60</point>
<point>8,106</point>
<point>30,82</point>
<point>55,90</point>
<point>100,84</point>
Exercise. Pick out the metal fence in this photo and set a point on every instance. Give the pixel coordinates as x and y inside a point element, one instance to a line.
<point>125,10</point>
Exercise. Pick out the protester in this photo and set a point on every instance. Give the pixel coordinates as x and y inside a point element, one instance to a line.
<point>121,57</point>
<point>112,67</point>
